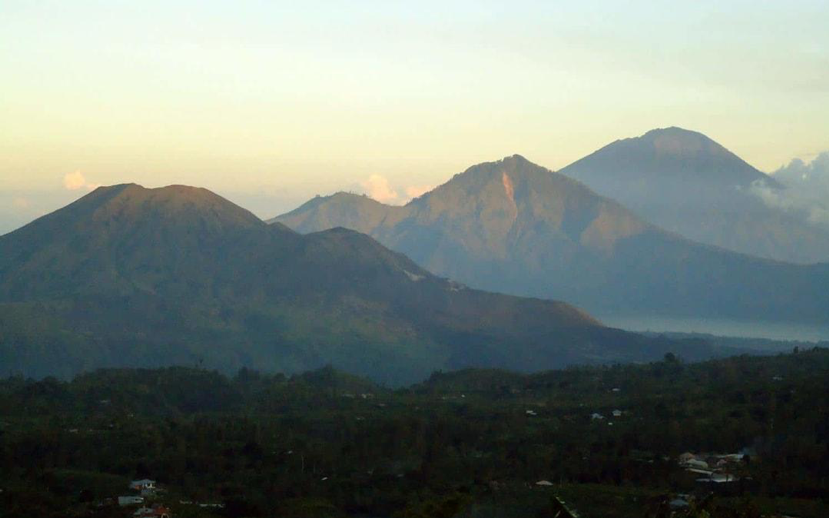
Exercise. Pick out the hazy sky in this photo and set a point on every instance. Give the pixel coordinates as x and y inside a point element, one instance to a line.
<point>270,102</point>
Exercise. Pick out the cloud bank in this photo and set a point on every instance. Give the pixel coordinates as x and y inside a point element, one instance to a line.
<point>379,188</point>
<point>76,180</point>
<point>806,192</point>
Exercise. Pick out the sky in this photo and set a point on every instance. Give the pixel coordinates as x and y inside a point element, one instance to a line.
<point>269,103</point>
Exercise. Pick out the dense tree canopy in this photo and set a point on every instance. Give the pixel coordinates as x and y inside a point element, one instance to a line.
<point>470,443</point>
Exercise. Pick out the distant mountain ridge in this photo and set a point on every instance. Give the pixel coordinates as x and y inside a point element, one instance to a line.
<point>343,209</point>
<point>686,183</point>
<point>515,227</point>
<point>135,277</point>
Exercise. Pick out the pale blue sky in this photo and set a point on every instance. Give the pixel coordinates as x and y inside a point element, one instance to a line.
<point>272,102</point>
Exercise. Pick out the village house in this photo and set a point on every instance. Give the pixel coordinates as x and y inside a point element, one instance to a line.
<point>217,506</point>
<point>696,463</point>
<point>685,457</point>
<point>124,501</point>
<point>715,468</point>
<point>144,483</point>
<point>156,511</point>
<point>718,478</point>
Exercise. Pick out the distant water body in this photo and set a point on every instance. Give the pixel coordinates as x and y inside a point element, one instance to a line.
<point>720,327</point>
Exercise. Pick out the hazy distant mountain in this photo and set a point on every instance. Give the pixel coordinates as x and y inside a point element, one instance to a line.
<point>128,276</point>
<point>515,227</point>
<point>685,182</point>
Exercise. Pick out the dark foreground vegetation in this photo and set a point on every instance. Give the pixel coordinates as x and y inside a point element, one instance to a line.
<point>476,443</point>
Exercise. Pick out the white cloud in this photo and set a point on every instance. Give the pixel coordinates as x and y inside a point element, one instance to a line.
<point>799,174</point>
<point>76,180</point>
<point>378,187</point>
<point>806,192</point>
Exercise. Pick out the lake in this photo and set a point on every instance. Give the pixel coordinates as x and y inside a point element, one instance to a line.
<point>720,327</point>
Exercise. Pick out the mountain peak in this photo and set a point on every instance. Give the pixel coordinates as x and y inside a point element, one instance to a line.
<point>682,142</point>
<point>515,166</point>
<point>169,193</point>
<point>515,160</point>
<point>666,154</point>
<point>178,204</point>
<point>674,131</point>
<point>355,211</point>
<point>134,212</point>
<point>514,179</point>
<point>347,196</point>
<point>684,182</point>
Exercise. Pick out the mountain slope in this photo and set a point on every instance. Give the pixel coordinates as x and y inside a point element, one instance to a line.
<point>514,227</point>
<point>128,276</point>
<point>685,182</point>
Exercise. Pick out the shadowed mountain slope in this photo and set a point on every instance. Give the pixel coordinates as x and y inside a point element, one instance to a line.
<point>515,227</point>
<point>685,182</point>
<point>128,276</point>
